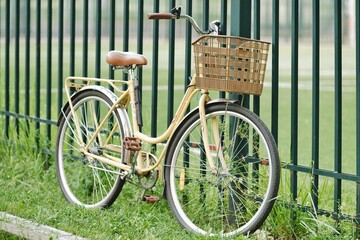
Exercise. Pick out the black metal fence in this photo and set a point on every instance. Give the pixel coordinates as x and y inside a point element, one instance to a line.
<point>42,42</point>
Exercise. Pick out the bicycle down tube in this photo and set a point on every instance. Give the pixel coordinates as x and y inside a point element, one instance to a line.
<point>129,94</point>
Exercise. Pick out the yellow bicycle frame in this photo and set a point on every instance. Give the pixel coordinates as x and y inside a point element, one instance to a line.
<point>127,98</point>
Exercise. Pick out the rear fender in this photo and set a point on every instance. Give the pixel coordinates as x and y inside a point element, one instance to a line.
<point>121,111</point>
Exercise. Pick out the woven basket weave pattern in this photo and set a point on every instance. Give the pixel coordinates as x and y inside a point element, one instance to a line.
<point>230,64</point>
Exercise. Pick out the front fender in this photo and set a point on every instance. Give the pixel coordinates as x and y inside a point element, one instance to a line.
<point>196,111</point>
<point>209,103</point>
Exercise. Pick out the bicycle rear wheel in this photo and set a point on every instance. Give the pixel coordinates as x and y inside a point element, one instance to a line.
<point>240,195</point>
<point>83,180</point>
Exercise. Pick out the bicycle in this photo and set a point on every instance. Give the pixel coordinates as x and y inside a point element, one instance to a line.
<point>221,163</point>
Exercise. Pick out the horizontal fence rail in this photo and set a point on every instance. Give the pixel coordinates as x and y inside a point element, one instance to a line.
<point>43,42</point>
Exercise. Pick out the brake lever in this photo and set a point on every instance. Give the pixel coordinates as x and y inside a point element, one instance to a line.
<point>176,11</point>
<point>214,26</point>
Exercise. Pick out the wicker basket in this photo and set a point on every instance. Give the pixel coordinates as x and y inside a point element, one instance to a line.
<point>230,64</point>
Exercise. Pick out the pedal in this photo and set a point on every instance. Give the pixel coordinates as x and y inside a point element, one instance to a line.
<point>150,198</point>
<point>132,144</point>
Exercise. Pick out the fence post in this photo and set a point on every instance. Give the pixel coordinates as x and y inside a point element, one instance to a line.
<point>48,78</point>
<point>16,63</point>
<point>338,105</point>
<point>294,95</point>
<point>357,30</point>
<point>60,53</point>
<point>155,74</point>
<point>98,39</point>
<point>140,35</point>
<point>240,25</point>
<point>85,40</point>
<point>171,67</point>
<point>256,28</point>
<point>315,100</point>
<point>126,18</point>
<point>275,70</point>
<point>38,71</point>
<point>27,66</point>
<point>7,66</point>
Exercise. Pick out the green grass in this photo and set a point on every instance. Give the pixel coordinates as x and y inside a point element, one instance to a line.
<point>30,192</point>
<point>8,236</point>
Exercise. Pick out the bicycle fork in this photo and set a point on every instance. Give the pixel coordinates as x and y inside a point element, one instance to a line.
<point>204,131</point>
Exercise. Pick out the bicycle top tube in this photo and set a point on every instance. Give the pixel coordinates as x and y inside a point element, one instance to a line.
<point>214,26</point>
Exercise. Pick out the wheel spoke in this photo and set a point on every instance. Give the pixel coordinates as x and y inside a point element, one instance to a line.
<point>235,199</point>
<point>84,181</point>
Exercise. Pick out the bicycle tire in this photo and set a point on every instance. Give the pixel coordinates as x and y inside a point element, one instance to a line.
<point>85,181</point>
<point>232,202</point>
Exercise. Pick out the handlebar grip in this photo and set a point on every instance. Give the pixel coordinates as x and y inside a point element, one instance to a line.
<point>161,16</point>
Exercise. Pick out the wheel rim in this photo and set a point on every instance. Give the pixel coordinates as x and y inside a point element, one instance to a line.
<point>193,213</point>
<point>85,181</point>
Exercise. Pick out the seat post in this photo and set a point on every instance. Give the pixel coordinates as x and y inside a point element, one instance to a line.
<point>130,70</point>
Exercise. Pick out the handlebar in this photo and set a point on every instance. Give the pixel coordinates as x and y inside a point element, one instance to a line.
<point>214,27</point>
<point>161,16</point>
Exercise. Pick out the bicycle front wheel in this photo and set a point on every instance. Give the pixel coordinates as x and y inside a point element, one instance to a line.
<point>236,197</point>
<point>84,180</point>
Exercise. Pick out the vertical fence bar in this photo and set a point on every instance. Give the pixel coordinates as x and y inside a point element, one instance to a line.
<point>256,99</point>
<point>7,67</point>
<point>98,48</point>
<point>206,7</point>
<point>315,99</point>
<point>338,104</point>
<point>48,72</point>
<point>72,37</point>
<point>1,35</point>
<point>27,65</point>
<point>125,32</point>
<point>223,20</point>
<point>60,52</point>
<point>48,78</point>
<point>240,26</point>
<point>357,40</point>
<point>275,71</point>
<point>223,17</point>
<point>205,26</point>
<point>294,94</point>
<point>155,74</point>
<point>112,35</point>
<point>38,67</point>
<point>16,63</point>
<point>98,40</point>
<point>188,32</point>
<point>257,13</point>
<point>257,19</point>
<point>171,67</point>
<point>85,39</point>
<point>140,33</point>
